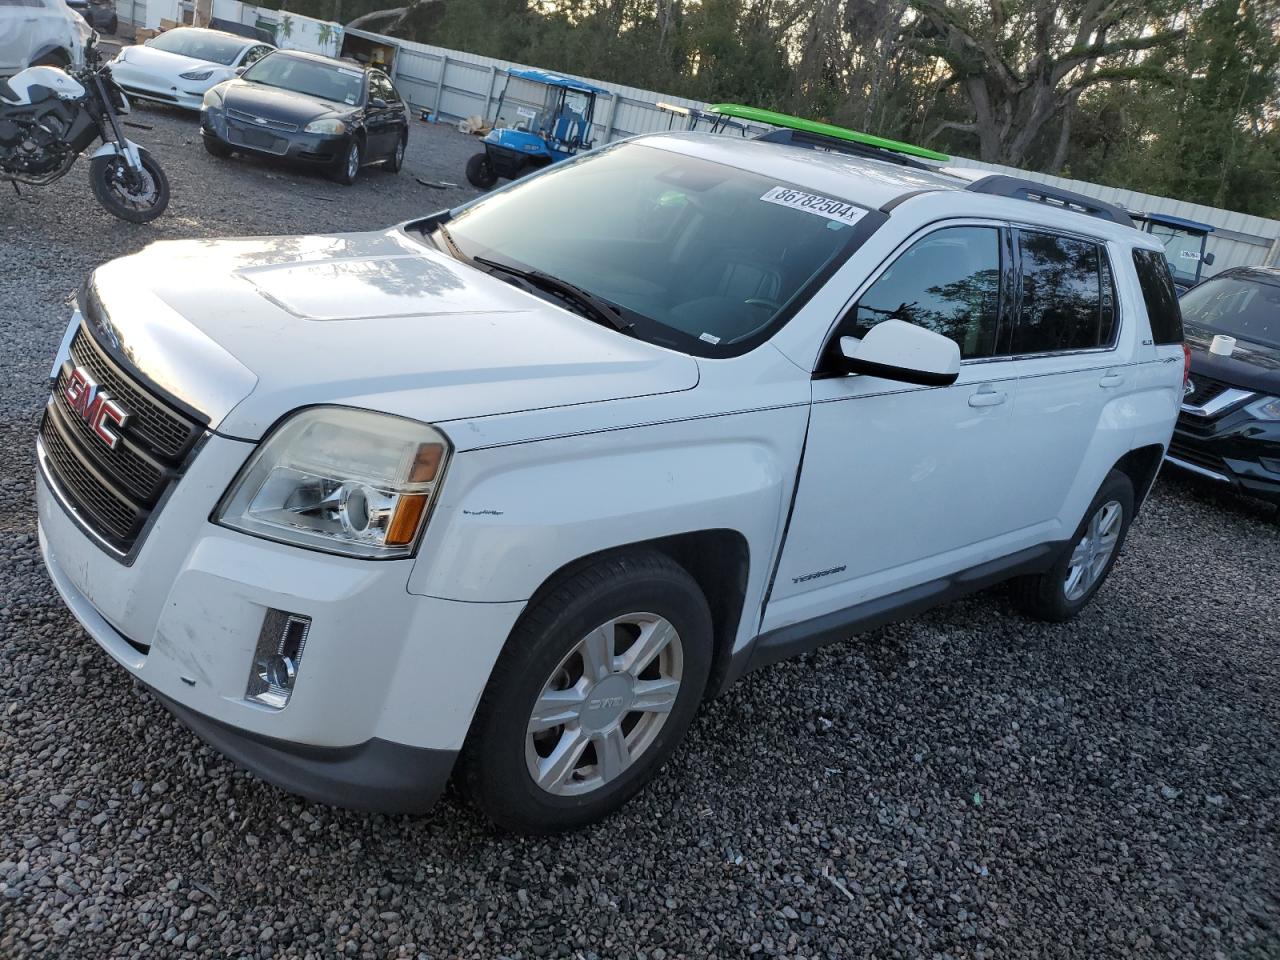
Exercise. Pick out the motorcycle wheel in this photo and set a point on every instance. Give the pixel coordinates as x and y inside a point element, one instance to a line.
<point>138,200</point>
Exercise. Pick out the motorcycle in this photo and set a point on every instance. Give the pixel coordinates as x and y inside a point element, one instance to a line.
<point>48,117</point>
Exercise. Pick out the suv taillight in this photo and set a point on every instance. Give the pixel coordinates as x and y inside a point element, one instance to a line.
<point>1186,364</point>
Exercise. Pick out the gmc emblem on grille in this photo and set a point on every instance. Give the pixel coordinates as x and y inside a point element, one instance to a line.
<point>95,407</point>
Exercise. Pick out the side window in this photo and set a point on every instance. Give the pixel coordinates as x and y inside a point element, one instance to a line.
<point>1068,300</point>
<point>253,55</point>
<point>948,282</point>
<point>1159,294</point>
<point>380,87</point>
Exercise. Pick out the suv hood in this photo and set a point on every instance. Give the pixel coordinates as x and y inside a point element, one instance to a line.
<point>246,331</point>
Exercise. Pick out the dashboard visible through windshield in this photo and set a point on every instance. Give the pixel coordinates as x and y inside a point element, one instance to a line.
<point>707,258</point>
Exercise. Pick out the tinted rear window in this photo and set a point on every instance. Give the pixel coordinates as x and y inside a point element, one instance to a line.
<point>1066,298</point>
<point>1160,295</point>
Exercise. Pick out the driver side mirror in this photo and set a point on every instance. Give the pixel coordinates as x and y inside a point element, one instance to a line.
<point>377,103</point>
<point>240,70</point>
<point>897,350</point>
<point>1208,259</point>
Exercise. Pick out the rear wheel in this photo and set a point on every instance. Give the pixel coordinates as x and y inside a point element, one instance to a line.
<point>137,197</point>
<point>1066,589</point>
<point>480,172</point>
<point>597,685</point>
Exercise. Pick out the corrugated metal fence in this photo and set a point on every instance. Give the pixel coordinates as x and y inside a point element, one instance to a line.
<point>454,84</point>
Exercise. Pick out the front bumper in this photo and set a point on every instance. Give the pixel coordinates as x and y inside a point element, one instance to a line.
<point>140,85</point>
<point>310,148</point>
<point>388,680</point>
<point>1233,449</point>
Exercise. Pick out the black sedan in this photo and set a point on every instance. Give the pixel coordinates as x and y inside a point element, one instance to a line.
<point>1229,428</point>
<point>333,114</point>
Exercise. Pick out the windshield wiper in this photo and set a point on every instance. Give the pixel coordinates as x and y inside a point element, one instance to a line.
<point>596,308</point>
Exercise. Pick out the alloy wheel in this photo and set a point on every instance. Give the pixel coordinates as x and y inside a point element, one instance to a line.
<point>353,161</point>
<point>604,704</point>
<point>1094,550</point>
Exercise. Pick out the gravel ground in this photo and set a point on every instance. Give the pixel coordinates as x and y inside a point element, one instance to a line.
<point>969,784</point>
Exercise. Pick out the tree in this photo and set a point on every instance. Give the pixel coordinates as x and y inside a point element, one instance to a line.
<point>1022,66</point>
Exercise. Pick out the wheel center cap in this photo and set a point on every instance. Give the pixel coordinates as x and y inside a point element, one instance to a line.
<point>606,702</point>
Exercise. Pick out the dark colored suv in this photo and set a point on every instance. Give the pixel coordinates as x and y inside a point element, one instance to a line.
<point>1229,429</point>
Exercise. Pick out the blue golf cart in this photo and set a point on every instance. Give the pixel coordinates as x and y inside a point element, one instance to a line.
<point>541,118</point>
<point>1184,242</point>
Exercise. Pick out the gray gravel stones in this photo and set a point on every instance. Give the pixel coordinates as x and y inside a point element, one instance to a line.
<point>970,784</point>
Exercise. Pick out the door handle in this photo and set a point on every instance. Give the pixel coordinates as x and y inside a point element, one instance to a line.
<point>1111,380</point>
<point>987,398</point>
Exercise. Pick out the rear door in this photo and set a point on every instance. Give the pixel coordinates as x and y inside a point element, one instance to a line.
<point>1064,349</point>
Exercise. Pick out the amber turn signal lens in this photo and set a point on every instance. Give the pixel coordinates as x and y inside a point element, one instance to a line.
<point>404,522</point>
<point>427,463</point>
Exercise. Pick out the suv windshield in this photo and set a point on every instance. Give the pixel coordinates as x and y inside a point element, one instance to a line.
<point>199,45</point>
<point>1238,307</point>
<point>709,258</point>
<point>328,82</point>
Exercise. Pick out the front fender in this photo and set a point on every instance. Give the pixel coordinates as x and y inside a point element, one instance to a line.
<point>510,516</point>
<point>132,152</point>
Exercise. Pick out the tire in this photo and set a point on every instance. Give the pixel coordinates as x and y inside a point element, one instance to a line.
<point>1049,596</point>
<point>109,177</point>
<point>480,172</point>
<point>113,25</point>
<point>396,161</point>
<point>540,662</point>
<point>54,58</point>
<point>216,147</point>
<point>348,168</point>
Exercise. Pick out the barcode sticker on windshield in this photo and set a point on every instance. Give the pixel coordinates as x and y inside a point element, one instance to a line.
<point>839,210</point>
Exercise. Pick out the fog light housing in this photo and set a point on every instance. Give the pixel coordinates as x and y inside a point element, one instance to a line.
<point>276,658</point>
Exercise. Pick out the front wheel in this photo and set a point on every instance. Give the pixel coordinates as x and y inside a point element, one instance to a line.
<point>480,172</point>
<point>1068,586</point>
<point>596,687</point>
<point>216,148</point>
<point>349,166</point>
<point>137,197</point>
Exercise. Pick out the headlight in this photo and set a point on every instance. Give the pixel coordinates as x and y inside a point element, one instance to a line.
<point>325,125</point>
<point>212,98</point>
<point>197,75</point>
<point>342,480</point>
<point>1268,408</point>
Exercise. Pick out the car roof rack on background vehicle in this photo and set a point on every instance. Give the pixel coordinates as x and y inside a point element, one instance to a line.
<point>1002,185</point>
<point>815,135</point>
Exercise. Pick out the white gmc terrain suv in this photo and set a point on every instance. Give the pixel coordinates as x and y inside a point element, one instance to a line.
<point>507,491</point>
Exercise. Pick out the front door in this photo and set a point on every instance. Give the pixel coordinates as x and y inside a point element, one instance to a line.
<point>903,484</point>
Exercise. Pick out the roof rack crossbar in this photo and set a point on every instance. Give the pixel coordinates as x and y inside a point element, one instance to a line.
<point>816,141</point>
<point>1001,185</point>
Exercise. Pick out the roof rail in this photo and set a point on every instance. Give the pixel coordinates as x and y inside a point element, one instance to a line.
<point>817,141</point>
<point>1000,185</point>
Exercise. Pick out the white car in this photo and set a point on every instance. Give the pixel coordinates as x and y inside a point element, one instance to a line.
<point>507,492</point>
<point>179,66</point>
<point>41,33</point>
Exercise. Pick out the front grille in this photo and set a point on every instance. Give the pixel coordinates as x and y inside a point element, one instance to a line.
<point>1204,390</point>
<point>257,139</point>
<point>1192,453</point>
<point>262,121</point>
<point>114,491</point>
